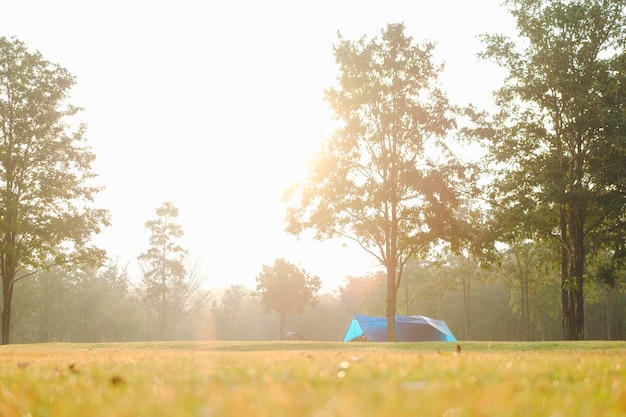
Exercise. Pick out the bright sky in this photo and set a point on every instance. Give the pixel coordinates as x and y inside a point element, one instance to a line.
<point>217,106</point>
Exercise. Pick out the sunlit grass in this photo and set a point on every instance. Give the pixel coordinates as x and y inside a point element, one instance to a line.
<point>314,379</point>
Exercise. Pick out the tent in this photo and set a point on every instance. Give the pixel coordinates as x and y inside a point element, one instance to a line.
<point>408,329</point>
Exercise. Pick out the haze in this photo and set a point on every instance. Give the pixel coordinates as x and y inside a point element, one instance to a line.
<point>216,107</point>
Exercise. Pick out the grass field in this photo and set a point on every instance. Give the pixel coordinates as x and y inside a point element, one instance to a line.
<point>274,379</point>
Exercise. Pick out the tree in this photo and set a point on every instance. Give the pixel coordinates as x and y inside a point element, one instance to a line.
<point>105,307</point>
<point>423,285</point>
<point>229,312</point>
<point>558,142</point>
<point>45,308</point>
<point>463,270</point>
<point>120,310</point>
<point>607,272</point>
<point>169,291</point>
<point>286,289</point>
<point>384,179</point>
<point>362,294</point>
<point>45,173</point>
<point>528,267</point>
<point>77,305</point>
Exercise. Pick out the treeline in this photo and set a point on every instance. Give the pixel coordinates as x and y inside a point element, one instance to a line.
<point>87,306</point>
<point>549,187</point>
<point>106,305</point>
<point>526,243</point>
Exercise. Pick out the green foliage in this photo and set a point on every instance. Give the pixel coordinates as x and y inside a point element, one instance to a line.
<point>164,256</point>
<point>45,173</point>
<point>106,306</point>
<point>556,145</point>
<point>89,306</point>
<point>423,285</point>
<point>527,268</point>
<point>169,290</point>
<point>364,294</point>
<point>286,289</point>
<point>385,178</point>
<point>375,170</point>
<point>78,306</point>
<point>229,312</point>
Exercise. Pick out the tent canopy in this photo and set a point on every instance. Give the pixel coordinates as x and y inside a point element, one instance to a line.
<point>408,329</point>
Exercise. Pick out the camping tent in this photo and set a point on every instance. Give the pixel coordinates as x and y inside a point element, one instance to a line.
<point>408,329</point>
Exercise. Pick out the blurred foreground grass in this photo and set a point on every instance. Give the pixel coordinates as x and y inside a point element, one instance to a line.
<point>294,379</point>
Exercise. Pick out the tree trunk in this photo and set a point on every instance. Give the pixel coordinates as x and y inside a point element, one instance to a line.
<point>44,317</point>
<point>577,307</point>
<point>525,301</point>
<point>392,279</point>
<point>391,302</point>
<point>609,312</point>
<point>407,301</point>
<point>565,277</point>
<point>7,296</point>
<point>466,304</point>
<point>282,323</point>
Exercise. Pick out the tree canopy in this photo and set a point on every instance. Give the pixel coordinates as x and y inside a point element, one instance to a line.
<point>557,148</point>
<point>169,290</point>
<point>286,289</point>
<point>46,181</point>
<point>385,178</point>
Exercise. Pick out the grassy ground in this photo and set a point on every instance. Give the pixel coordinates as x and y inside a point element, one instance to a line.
<point>314,379</point>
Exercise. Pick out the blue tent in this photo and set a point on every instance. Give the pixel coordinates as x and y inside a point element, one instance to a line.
<point>408,329</point>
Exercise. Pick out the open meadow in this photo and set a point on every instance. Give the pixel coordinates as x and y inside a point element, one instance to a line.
<point>316,379</point>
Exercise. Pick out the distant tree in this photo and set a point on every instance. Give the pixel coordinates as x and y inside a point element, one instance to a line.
<point>197,323</point>
<point>168,290</point>
<point>422,287</point>
<point>257,325</point>
<point>121,317</point>
<point>287,290</point>
<point>229,312</point>
<point>461,270</point>
<point>45,308</point>
<point>326,321</point>
<point>608,275</point>
<point>78,305</point>
<point>45,173</point>
<point>364,294</point>
<point>106,307</point>
<point>558,145</point>
<point>528,267</point>
<point>385,179</point>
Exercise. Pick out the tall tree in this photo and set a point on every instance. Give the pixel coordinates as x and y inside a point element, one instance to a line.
<point>169,291</point>
<point>382,179</point>
<point>45,173</point>
<point>561,110</point>
<point>287,290</point>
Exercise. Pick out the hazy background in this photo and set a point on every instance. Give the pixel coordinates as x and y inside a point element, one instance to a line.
<point>217,107</point>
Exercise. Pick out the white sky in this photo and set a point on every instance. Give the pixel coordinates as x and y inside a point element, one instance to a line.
<point>216,107</point>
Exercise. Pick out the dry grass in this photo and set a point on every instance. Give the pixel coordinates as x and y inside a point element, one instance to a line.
<point>313,379</point>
